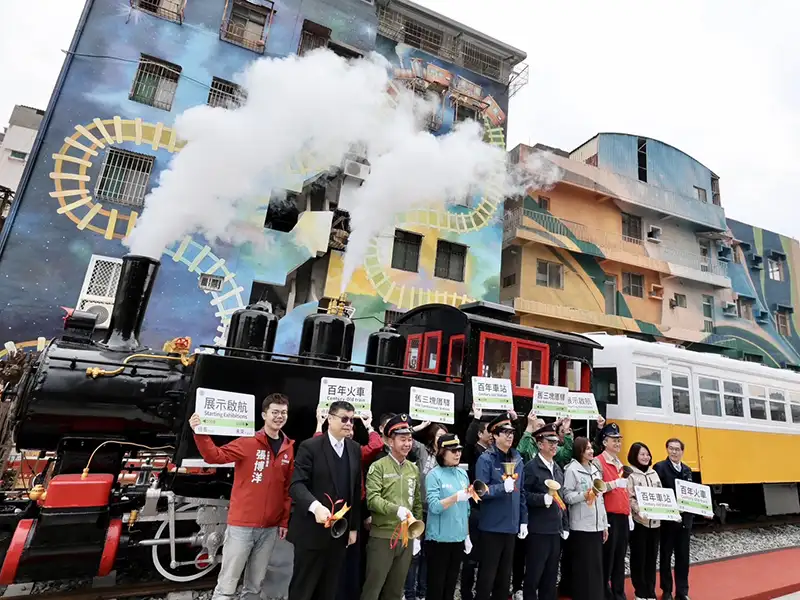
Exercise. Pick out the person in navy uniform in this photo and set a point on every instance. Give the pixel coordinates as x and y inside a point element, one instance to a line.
<point>547,518</point>
<point>674,536</point>
<point>503,513</point>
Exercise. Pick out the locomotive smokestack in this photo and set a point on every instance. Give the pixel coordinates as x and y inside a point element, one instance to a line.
<point>133,294</point>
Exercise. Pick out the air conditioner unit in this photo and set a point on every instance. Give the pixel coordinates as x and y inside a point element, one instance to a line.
<point>356,170</point>
<point>101,308</point>
<point>654,234</point>
<point>729,307</point>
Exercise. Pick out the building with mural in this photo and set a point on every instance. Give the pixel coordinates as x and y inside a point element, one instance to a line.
<point>633,240</point>
<point>135,65</point>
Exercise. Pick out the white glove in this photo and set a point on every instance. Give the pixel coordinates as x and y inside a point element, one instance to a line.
<point>463,496</point>
<point>416,548</point>
<point>403,513</point>
<point>321,514</point>
<point>630,522</point>
<point>548,500</point>
<point>621,483</point>
<point>564,535</point>
<point>523,531</point>
<point>508,485</point>
<point>467,545</point>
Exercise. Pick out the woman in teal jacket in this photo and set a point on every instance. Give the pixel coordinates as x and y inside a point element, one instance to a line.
<point>447,529</point>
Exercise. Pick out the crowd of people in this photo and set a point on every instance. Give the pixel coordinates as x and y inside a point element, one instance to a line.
<point>354,512</point>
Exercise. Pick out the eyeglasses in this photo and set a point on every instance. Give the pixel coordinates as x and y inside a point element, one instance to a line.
<point>344,419</point>
<point>279,413</point>
<point>506,432</point>
<point>674,449</point>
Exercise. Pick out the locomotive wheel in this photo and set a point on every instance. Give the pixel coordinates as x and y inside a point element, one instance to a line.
<point>183,552</point>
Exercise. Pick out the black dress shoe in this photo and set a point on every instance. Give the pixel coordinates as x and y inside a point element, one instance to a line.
<point>683,598</point>
<point>667,596</point>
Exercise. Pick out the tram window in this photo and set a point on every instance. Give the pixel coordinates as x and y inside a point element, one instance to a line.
<point>413,352</point>
<point>709,397</point>
<point>571,377</point>
<point>681,397</point>
<point>648,387</point>
<point>431,351</point>
<point>795,407</point>
<point>604,385</point>
<point>734,399</point>
<point>758,402</point>
<point>496,358</point>
<point>777,405</point>
<point>456,354</point>
<point>529,367</point>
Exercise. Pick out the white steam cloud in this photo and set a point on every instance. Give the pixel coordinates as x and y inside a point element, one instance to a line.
<point>317,108</point>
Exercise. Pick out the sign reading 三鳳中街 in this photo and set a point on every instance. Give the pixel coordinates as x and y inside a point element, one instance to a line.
<point>657,504</point>
<point>355,391</point>
<point>694,498</point>
<point>582,405</point>
<point>225,413</point>
<point>550,400</point>
<point>489,393</point>
<point>432,405</point>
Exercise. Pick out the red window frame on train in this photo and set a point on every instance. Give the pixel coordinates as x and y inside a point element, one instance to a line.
<point>516,345</point>
<point>412,338</point>
<point>429,336</point>
<point>456,338</point>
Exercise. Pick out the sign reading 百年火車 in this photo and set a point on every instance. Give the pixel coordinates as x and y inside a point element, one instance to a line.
<point>355,391</point>
<point>694,498</point>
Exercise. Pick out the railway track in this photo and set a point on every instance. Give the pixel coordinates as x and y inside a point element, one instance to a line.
<point>137,590</point>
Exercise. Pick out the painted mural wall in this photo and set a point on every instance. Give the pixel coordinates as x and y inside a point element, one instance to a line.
<point>61,224</point>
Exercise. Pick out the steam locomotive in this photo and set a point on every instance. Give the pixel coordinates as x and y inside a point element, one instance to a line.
<point>98,406</point>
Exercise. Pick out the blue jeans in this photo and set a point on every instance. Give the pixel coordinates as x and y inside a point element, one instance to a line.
<point>246,549</point>
<point>417,576</point>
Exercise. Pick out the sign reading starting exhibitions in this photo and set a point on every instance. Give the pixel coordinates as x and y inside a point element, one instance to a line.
<point>582,405</point>
<point>355,391</point>
<point>657,504</point>
<point>225,413</point>
<point>489,393</point>
<point>550,400</point>
<point>432,405</point>
<point>694,498</point>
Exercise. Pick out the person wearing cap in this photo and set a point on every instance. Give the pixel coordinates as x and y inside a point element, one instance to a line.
<point>618,512</point>
<point>447,526</point>
<point>503,514</point>
<point>547,517</point>
<point>393,495</point>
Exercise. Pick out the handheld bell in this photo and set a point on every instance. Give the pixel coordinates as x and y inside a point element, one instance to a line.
<point>626,471</point>
<point>599,486</point>
<point>479,487</point>
<point>509,468</point>
<point>415,528</point>
<point>339,528</point>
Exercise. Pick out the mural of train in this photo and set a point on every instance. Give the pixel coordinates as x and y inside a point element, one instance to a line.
<point>101,407</point>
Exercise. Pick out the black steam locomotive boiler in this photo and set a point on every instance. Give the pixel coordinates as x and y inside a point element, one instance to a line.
<point>98,406</point>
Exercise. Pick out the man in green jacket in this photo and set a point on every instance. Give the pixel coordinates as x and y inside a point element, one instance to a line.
<point>528,448</point>
<point>393,494</point>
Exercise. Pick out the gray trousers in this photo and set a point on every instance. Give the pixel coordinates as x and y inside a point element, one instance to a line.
<point>248,550</point>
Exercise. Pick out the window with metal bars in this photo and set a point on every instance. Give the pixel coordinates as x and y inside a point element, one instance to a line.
<point>225,94</point>
<point>171,10</point>
<point>124,177</point>
<point>246,25</point>
<point>211,283</point>
<point>313,36</point>
<point>633,285</point>
<point>405,250</point>
<point>641,145</point>
<point>155,83</point>
<point>475,59</point>
<point>419,36</point>
<point>631,226</point>
<point>450,259</point>
<point>390,316</point>
<point>103,277</point>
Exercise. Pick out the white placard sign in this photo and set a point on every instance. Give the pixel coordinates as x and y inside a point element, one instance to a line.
<point>432,405</point>
<point>489,393</point>
<point>225,413</point>
<point>657,504</point>
<point>694,498</point>
<point>550,400</point>
<point>355,391</point>
<point>582,405</point>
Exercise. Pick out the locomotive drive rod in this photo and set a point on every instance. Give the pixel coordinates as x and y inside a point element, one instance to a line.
<point>193,541</point>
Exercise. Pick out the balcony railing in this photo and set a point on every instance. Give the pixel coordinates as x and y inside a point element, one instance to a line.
<point>604,244</point>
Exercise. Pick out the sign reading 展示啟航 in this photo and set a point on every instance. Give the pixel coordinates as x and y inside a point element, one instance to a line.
<point>694,498</point>
<point>657,504</point>
<point>582,405</point>
<point>489,393</point>
<point>432,405</point>
<point>225,413</point>
<point>355,391</point>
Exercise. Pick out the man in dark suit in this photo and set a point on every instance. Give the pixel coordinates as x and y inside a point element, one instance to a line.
<point>327,465</point>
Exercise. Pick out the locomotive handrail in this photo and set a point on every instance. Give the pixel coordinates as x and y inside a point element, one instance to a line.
<point>106,363</point>
<point>333,361</point>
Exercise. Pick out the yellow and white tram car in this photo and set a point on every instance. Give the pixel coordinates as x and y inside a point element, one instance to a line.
<point>739,421</point>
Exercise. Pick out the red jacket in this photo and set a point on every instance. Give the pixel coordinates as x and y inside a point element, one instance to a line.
<point>617,501</point>
<point>260,495</point>
<point>368,452</point>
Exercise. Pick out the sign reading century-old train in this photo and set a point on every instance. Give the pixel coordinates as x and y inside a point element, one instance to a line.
<point>694,498</point>
<point>432,405</point>
<point>355,391</point>
<point>489,393</point>
<point>657,504</point>
<point>225,413</point>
